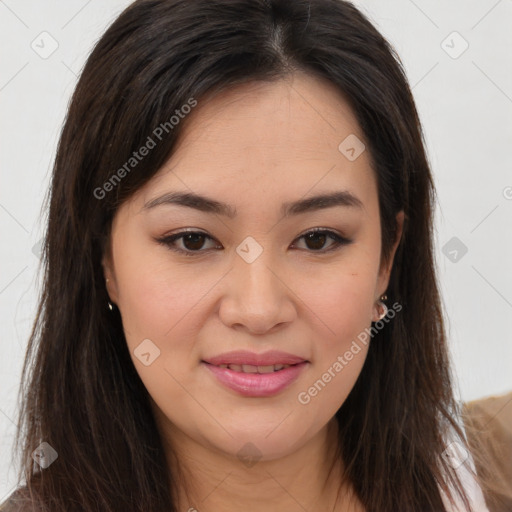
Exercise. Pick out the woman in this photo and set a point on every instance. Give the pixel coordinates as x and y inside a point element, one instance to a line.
<point>240,306</point>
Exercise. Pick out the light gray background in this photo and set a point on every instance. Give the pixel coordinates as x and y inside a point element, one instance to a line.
<point>465,104</point>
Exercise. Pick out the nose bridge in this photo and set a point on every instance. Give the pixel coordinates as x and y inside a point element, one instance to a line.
<point>256,297</point>
<point>254,279</point>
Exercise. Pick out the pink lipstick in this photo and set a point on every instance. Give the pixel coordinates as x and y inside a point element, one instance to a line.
<point>256,375</point>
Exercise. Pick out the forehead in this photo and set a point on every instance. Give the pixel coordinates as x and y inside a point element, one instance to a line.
<point>267,139</point>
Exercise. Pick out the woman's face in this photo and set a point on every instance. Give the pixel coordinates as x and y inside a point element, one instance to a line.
<point>255,278</point>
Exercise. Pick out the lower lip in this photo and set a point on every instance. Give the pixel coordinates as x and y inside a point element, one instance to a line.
<point>257,384</point>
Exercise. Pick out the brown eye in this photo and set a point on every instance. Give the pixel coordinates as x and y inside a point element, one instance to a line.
<point>194,241</point>
<point>316,240</point>
<point>189,243</point>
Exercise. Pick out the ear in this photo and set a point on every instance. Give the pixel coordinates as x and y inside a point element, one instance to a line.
<point>385,271</point>
<point>109,274</point>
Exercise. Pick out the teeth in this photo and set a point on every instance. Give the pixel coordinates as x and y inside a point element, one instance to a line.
<point>249,368</point>
<point>266,369</point>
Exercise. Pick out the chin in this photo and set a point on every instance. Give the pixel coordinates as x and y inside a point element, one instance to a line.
<point>250,444</point>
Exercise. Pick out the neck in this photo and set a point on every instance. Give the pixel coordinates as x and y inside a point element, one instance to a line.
<point>310,478</point>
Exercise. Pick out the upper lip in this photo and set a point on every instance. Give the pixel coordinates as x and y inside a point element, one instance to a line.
<point>245,357</point>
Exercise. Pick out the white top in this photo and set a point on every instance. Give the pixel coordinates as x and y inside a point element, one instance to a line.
<point>463,464</point>
<point>473,491</point>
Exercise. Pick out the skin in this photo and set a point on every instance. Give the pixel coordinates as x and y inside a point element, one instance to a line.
<point>253,147</point>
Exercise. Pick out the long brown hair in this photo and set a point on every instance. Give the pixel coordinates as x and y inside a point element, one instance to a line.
<point>80,391</point>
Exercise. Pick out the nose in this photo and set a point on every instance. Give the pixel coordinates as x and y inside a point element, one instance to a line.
<point>257,298</point>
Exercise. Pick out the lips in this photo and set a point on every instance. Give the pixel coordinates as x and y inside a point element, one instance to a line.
<point>256,375</point>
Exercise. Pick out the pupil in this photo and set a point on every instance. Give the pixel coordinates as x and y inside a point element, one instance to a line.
<point>193,241</point>
<point>311,238</point>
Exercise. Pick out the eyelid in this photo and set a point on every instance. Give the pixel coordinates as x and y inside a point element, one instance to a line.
<point>339,240</point>
<point>168,239</point>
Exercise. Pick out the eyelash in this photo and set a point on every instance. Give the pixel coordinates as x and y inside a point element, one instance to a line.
<point>168,241</point>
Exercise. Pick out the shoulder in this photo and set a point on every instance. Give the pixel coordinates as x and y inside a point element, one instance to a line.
<point>18,501</point>
<point>489,432</point>
<point>461,462</point>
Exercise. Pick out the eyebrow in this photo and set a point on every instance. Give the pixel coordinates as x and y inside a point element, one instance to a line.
<point>208,205</point>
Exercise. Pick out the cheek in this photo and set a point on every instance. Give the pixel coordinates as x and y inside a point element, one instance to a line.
<point>341,300</point>
<point>157,298</point>
<point>344,306</point>
<point>163,303</point>
<point>341,309</point>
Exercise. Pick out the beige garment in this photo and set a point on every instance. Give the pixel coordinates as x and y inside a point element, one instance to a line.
<point>488,424</point>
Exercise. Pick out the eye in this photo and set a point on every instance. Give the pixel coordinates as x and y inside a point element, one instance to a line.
<point>187,242</point>
<point>191,242</point>
<point>316,239</point>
